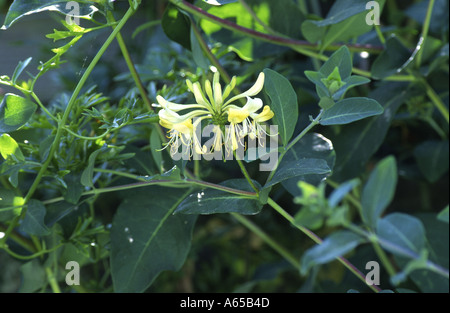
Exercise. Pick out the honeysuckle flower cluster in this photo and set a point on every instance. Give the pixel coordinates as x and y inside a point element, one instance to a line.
<point>230,122</point>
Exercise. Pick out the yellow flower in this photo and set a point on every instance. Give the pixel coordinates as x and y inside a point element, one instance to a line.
<point>211,104</point>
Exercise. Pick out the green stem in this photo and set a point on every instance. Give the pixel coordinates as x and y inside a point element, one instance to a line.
<point>272,243</point>
<point>134,73</point>
<point>318,240</point>
<point>380,34</point>
<point>85,137</point>
<point>130,64</point>
<point>52,280</point>
<point>434,97</point>
<point>425,28</point>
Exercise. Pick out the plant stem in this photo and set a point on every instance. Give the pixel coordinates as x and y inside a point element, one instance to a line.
<point>424,35</point>
<point>52,280</point>
<point>437,101</point>
<point>134,74</point>
<point>272,243</point>
<point>130,64</point>
<point>318,240</point>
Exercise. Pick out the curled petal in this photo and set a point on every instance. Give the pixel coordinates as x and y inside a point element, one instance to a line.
<point>253,105</point>
<point>265,115</point>
<point>254,90</point>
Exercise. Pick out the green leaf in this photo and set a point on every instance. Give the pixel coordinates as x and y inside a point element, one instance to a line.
<point>350,82</point>
<point>74,188</point>
<point>379,190</point>
<point>33,223</point>
<point>298,167</point>
<point>9,199</point>
<point>432,159</point>
<point>351,27</point>
<point>341,59</point>
<point>342,10</point>
<point>438,248</point>
<point>283,103</point>
<point>339,193</point>
<point>311,146</point>
<point>176,26</point>
<point>278,15</point>
<point>391,60</point>
<point>358,141</point>
<point>146,238</point>
<point>19,69</point>
<point>33,276</point>
<point>9,147</point>
<point>197,53</point>
<point>402,230</point>
<point>88,173</point>
<point>21,8</point>
<point>334,246</point>
<point>155,146</point>
<point>350,110</point>
<point>15,112</point>
<point>212,201</point>
<point>443,215</point>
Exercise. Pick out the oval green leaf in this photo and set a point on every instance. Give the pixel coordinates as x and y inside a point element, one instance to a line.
<point>350,110</point>
<point>146,238</point>
<point>15,112</point>
<point>283,103</point>
<point>379,190</point>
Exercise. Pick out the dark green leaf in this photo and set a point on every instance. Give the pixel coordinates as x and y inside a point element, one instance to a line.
<point>301,167</point>
<point>391,60</point>
<point>311,146</point>
<point>350,110</point>
<point>438,247</point>
<point>155,148</point>
<point>33,276</point>
<point>146,238</point>
<point>176,26</point>
<point>379,190</point>
<point>197,53</point>
<point>88,173</point>
<point>342,10</point>
<point>33,223</point>
<point>340,59</point>
<point>15,111</point>
<point>74,188</point>
<point>283,103</point>
<point>358,141</point>
<point>443,215</point>
<point>336,245</point>
<point>328,31</point>
<point>212,201</point>
<point>401,230</point>
<point>432,159</point>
